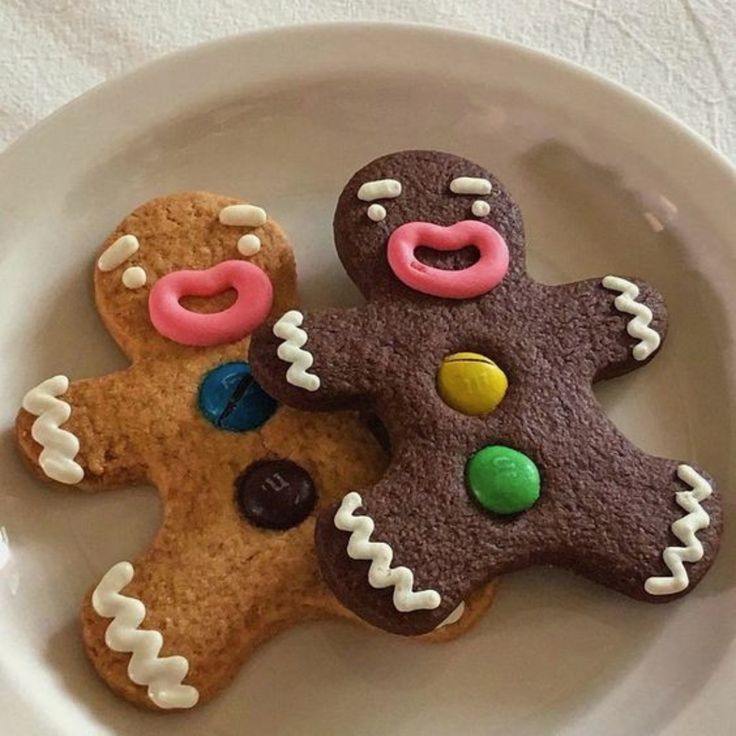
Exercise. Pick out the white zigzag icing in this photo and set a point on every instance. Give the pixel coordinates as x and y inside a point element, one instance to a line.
<point>291,350</point>
<point>162,675</point>
<point>380,574</point>
<point>60,447</point>
<point>685,529</point>
<point>638,327</point>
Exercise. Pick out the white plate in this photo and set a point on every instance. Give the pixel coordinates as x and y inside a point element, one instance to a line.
<point>284,117</point>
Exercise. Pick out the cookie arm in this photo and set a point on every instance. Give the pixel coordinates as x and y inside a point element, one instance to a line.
<point>76,434</point>
<point>614,324</point>
<point>316,360</point>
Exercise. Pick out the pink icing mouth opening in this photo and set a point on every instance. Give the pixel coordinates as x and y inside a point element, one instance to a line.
<point>485,274</point>
<point>250,309</point>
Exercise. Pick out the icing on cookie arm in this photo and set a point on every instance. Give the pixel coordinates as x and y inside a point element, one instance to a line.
<point>76,433</point>
<point>311,360</point>
<point>640,324</point>
<point>624,321</point>
<point>293,351</point>
<point>59,446</point>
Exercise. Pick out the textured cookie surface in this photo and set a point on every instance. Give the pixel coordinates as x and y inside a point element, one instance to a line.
<point>504,471</point>
<point>188,419</point>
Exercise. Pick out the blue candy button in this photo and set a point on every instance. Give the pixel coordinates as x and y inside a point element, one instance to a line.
<point>230,398</point>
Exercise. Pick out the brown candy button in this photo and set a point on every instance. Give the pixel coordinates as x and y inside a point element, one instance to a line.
<point>275,494</point>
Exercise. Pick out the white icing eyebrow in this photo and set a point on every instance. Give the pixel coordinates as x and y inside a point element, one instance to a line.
<point>243,215</point>
<point>117,253</point>
<point>379,189</point>
<point>470,185</point>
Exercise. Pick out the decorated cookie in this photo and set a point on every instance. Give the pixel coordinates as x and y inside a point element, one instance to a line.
<point>180,284</point>
<point>502,457</point>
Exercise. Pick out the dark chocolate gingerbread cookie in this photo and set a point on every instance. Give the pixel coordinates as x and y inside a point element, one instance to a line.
<point>502,457</point>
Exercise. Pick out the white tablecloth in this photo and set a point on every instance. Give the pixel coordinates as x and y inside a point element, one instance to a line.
<point>679,53</point>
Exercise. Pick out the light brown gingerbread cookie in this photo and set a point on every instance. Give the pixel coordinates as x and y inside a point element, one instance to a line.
<point>180,284</point>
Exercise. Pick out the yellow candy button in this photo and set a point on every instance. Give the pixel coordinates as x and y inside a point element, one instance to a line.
<point>471,383</point>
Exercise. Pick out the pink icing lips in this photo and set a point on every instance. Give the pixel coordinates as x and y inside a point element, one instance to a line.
<point>485,274</point>
<point>251,307</point>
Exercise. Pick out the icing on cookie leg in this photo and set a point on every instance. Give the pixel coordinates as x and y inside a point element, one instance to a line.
<point>686,530</point>
<point>380,555</point>
<point>162,676</point>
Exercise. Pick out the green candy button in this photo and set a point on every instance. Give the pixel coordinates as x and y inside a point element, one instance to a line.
<point>503,480</point>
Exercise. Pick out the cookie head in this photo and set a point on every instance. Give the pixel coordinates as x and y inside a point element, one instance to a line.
<point>428,224</point>
<point>192,270</point>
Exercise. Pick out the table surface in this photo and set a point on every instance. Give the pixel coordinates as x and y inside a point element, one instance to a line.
<point>678,53</point>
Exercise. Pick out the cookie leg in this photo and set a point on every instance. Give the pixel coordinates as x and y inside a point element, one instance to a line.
<point>172,628</point>
<point>408,578</point>
<point>339,456</point>
<point>650,530</point>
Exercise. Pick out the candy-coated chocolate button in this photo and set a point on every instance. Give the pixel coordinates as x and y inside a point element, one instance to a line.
<point>275,494</point>
<point>230,398</point>
<point>471,383</point>
<point>502,480</point>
